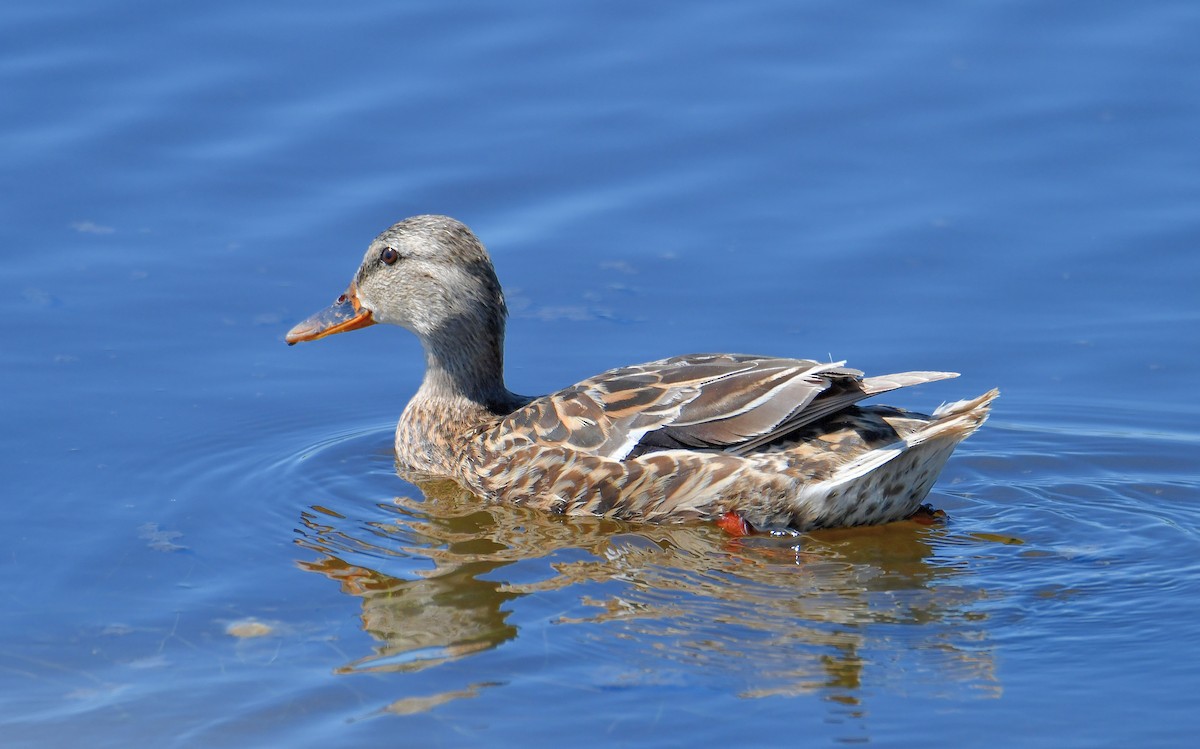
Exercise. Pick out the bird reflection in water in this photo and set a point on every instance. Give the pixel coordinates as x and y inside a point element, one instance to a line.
<point>829,612</point>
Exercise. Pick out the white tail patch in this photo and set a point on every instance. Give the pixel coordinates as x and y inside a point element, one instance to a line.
<point>864,464</point>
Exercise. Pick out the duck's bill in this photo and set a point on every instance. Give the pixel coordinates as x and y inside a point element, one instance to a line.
<point>345,314</point>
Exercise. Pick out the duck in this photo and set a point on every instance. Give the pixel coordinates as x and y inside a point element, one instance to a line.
<point>749,442</point>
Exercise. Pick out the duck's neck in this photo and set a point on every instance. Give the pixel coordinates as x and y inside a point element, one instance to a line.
<point>463,390</point>
<point>465,368</point>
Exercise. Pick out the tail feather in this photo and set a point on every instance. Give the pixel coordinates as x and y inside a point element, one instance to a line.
<point>958,419</point>
<point>981,404</point>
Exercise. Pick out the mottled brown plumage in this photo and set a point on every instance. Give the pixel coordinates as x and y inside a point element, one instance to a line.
<point>779,442</point>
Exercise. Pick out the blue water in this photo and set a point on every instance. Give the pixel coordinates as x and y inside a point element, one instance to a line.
<point>205,542</point>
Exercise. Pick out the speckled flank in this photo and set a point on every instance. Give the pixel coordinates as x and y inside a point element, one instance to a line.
<point>778,442</point>
<point>812,478</point>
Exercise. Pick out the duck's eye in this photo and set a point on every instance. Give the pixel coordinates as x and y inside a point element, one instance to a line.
<point>389,256</point>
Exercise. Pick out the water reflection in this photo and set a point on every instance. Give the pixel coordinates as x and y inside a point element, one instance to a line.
<point>831,613</point>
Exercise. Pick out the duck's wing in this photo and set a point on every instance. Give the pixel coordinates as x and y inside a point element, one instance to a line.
<point>728,402</point>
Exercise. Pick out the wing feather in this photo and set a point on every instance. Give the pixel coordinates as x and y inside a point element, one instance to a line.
<point>727,402</point>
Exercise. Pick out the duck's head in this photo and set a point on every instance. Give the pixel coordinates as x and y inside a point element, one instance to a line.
<point>429,274</point>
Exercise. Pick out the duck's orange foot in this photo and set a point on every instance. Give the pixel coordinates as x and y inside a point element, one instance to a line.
<point>926,515</point>
<point>734,524</point>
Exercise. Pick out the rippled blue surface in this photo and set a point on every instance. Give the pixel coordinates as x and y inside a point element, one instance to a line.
<point>205,541</point>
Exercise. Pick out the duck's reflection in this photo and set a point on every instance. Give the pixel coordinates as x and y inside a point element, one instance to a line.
<point>832,611</point>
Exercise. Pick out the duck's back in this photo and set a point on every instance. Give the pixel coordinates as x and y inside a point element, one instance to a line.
<point>734,403</point>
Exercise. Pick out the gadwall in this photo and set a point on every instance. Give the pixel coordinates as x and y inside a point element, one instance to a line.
<point>749,442</point>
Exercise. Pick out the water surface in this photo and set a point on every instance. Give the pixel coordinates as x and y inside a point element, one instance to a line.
<point>207,544</point>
